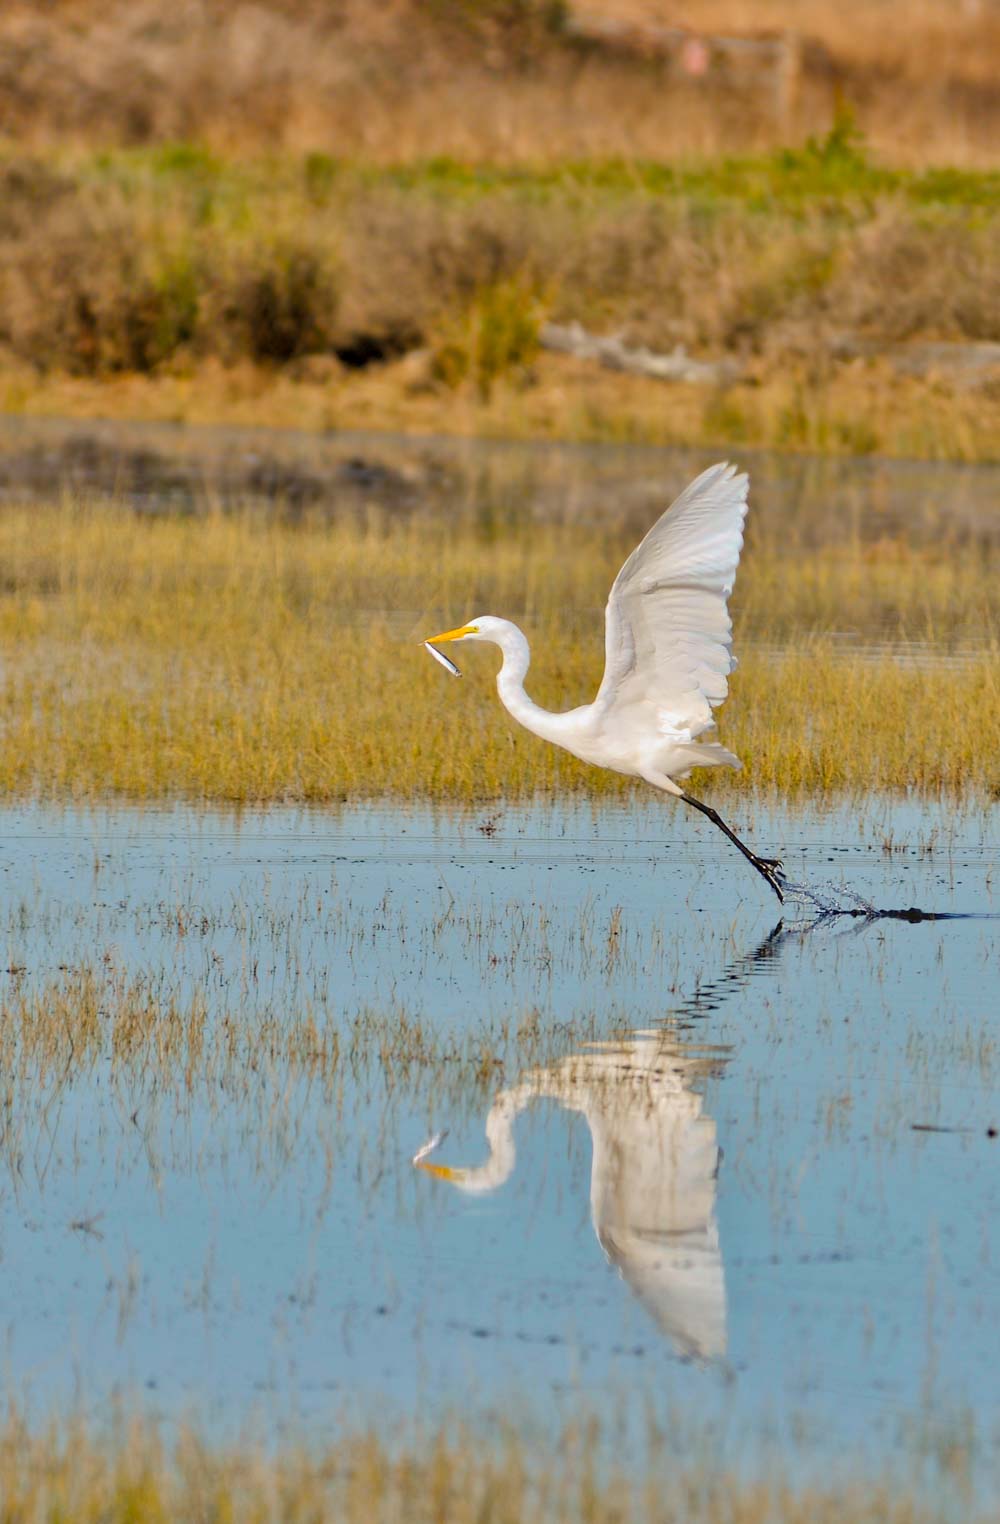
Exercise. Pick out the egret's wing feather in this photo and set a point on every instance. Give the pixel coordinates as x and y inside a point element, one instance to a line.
<point>668,635</point>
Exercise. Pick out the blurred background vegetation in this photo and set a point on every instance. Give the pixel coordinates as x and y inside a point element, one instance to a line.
<point>500,80</point>
<point>382,207</point>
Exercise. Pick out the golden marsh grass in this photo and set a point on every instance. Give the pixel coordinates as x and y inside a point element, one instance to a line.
<point>451,1476</point>
<point>240,658</point>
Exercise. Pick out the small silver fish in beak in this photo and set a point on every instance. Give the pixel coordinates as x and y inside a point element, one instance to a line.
<point>445,661</point>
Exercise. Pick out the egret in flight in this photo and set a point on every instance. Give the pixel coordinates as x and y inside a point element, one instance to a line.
<point>668,652</point>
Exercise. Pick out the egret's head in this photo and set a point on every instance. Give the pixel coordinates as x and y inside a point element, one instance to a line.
<point>484,627</point>
<point>442,1171</point>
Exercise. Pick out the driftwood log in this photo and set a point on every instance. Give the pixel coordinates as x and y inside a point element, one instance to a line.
<point>573,339</point>
<point>965,364</point>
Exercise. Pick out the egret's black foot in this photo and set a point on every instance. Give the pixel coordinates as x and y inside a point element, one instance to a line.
<point>770,868</point>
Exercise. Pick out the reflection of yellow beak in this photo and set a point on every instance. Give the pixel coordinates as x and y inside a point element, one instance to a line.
<point>463,629</point>
<point>441,1170</point>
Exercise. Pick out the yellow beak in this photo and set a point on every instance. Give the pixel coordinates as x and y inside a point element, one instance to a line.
<point>464,629</point>
<point>441,1170</point>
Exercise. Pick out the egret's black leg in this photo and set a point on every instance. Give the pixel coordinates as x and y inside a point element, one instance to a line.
<point>769,868</point>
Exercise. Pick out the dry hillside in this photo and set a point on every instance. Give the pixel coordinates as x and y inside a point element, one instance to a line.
<point>502,79</point>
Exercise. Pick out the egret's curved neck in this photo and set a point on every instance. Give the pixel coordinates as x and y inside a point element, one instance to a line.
<point>500,1137</point>
<point>510,682</point>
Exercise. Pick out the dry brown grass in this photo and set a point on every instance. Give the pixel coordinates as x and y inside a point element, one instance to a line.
<point>925,39</point>
<point>856,408</point>
<point>483,78</point>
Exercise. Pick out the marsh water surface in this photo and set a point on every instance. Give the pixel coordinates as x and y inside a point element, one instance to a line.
<point>721,1165</point>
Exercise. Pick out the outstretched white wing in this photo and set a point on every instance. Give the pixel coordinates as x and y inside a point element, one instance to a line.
<point>668,635</point>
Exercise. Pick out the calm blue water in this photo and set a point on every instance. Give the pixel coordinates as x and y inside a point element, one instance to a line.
<point>732,1209</point>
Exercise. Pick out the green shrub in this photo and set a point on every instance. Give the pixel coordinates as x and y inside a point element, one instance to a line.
<point>496,339</point>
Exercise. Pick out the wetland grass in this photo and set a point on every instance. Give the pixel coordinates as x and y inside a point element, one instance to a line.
<point>219,1045</point>
<point>243,658</point>
<point>71,1471</point>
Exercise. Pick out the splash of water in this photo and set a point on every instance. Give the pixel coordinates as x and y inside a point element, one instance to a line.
<point>824,901</point>
<point>814,904</point>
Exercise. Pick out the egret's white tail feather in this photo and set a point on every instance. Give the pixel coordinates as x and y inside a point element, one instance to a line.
<point>706,754</point>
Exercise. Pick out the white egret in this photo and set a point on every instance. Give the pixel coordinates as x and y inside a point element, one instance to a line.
<point>668,653</point>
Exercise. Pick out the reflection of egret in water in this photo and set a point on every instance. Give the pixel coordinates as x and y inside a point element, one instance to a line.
<point>652,1187</point>
<point>655,1159</point>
